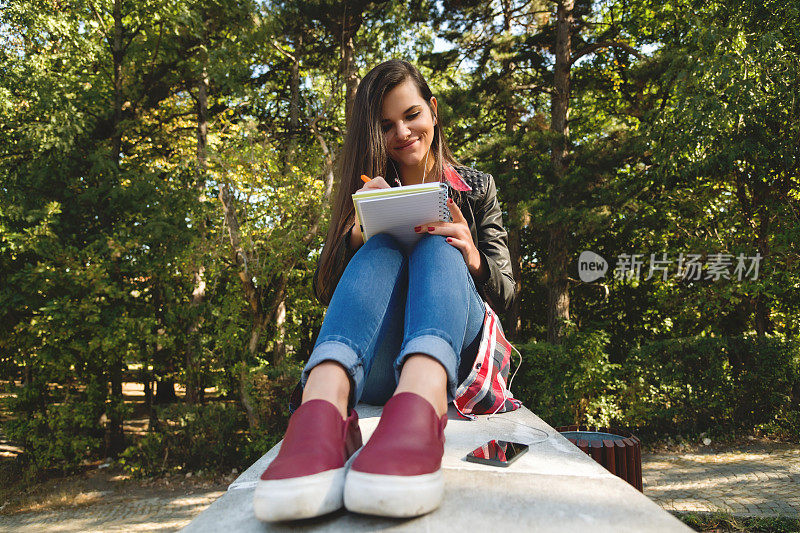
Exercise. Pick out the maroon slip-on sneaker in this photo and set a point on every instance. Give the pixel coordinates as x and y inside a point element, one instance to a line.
<point>399,471</point>
<point>306,479</point>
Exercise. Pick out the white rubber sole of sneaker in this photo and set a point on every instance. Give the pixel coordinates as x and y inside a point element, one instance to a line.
<point>277,500</point>
<point>395,496</point>
<point>295,498</point>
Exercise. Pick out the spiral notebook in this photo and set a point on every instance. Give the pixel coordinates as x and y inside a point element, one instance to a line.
<point>398,210</point>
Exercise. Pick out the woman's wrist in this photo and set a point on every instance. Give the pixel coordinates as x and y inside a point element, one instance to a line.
<point>478,267</point>
<point>356,238</point>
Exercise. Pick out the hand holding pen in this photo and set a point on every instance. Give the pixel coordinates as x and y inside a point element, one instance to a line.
<point>375,183</point>
<point>356,238</point>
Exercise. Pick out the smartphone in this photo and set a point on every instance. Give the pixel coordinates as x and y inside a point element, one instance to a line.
<point>497,453</point>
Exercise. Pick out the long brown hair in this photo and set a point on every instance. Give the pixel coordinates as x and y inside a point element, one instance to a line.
<point>365,152</point>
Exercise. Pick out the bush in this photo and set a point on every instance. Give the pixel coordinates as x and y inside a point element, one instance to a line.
<point>784,425</point>
<point>713,384</point>
<point>678,385</point>
<point>686,385</point>
<point>570,383</point>
<point>766,376</point>
<point>58,429</point>
<point>218,437</point>
<point>268,389</point>
<point>193,437</point>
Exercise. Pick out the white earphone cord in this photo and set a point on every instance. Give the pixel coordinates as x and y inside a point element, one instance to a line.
<point>425,165</point>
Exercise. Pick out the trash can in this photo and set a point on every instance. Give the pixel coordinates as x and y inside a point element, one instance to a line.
<point>616,449</point>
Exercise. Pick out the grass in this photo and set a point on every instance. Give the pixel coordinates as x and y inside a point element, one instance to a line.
<point>726,522</point>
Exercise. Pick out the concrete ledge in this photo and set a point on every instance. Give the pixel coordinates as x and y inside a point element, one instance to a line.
<point>553,487</point>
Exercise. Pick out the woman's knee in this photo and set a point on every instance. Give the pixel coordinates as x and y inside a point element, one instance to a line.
<point>384,241</point>
<point>382,249</point>
<point>433,245</point>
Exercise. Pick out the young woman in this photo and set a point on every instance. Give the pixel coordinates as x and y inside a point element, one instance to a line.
<point>401,328</point>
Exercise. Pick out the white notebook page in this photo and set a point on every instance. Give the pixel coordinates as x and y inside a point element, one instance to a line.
<point>399,215</point>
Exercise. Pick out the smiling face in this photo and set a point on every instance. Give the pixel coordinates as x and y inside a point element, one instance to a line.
<point>408,127</point>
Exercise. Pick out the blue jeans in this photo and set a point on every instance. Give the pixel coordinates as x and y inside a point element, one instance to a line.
<point>389,305</point>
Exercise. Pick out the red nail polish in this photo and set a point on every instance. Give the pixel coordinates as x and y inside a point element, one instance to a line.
<point>416,228</point>
<point>430,228</point>
<point>449,239</point>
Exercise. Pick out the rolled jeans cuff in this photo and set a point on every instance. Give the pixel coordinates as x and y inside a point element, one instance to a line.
<point>434,343</point>
<point>341,352</point>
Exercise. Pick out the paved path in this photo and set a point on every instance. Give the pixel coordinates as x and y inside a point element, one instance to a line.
<point>756,480</point>
<point>752,480</point>
<point>162,513</point>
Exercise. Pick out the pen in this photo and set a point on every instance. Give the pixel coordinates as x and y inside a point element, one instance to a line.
<point>365,179</point>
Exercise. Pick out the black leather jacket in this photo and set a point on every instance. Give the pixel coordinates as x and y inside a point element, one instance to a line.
<point>482,212</point>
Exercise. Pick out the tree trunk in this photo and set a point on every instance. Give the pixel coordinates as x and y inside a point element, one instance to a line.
<point>516,222</point>
<point>557,284</point>
<point>116,436</point>
<point>194,387</point>
<point>736,320</point>
<point>202,122</point>
<point>758,217</point>
<point>279,349</point>
<point>252,419</point>
<point>269,315</point>
<point>152,419</point>
<point>350,75</point>
<point>162,364</point>
<point>147,383</point>
<point>763,323</point>
<point>294,103</point>
<point>165,392</point>
<point>307,338</point>
<point>116,440</point>
<point>279,346</point>
<point>761,304</point>
<point>557,253</point>
<point>239,255</point>
<point>117,54</point>
<point>259,323</point>
<point>193,346</point>
<point>251,292</point>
